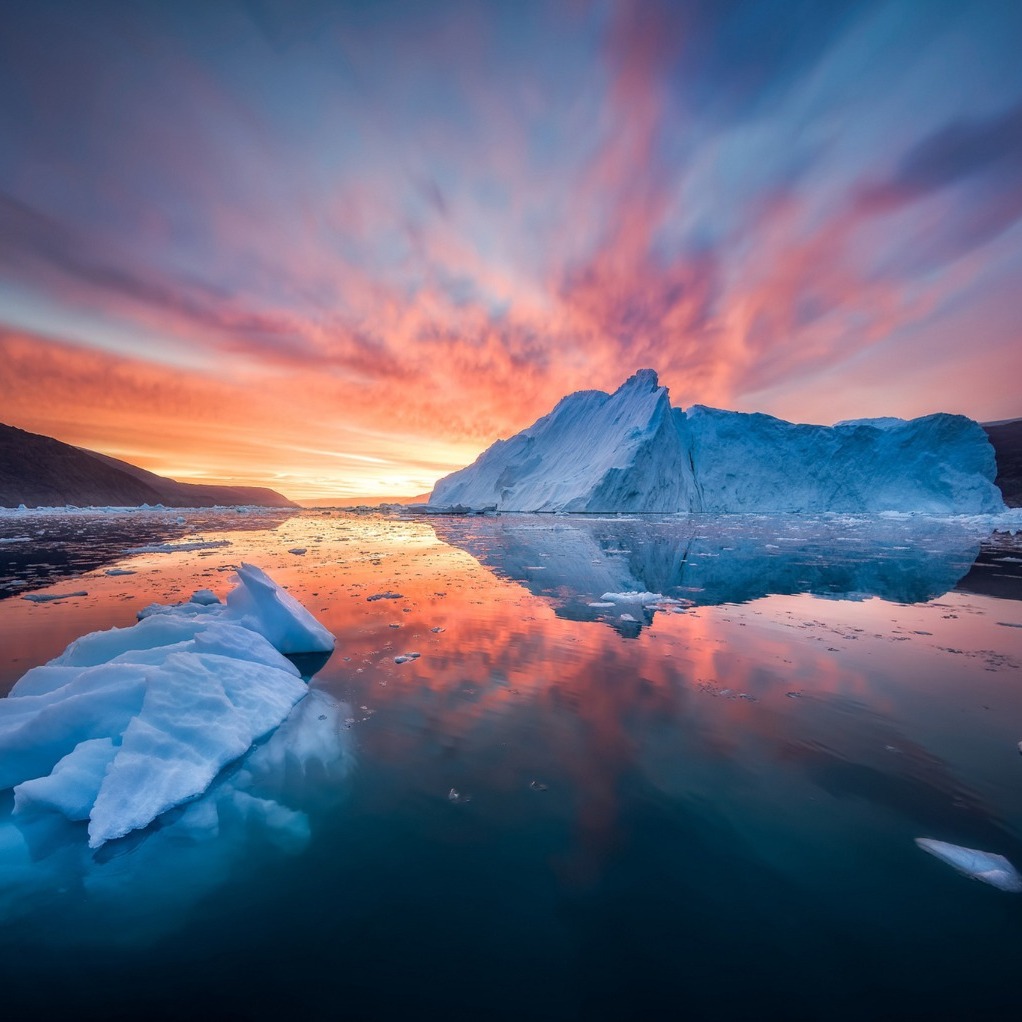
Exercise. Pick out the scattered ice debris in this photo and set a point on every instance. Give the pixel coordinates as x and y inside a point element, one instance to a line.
<point>537,786</point>
<point>384,596</point>
<point>130,722</point>
<point>436,629</point>
<point>298,551</point>
<point>118,571</point>
<point>725,693</point>
<point>405,657</point>
<point>175,548</point>
<point>989,867</point>
<point>456,796</point>
<point>50,597</point>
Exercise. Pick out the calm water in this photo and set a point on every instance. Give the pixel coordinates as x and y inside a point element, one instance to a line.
<point>558,810</point>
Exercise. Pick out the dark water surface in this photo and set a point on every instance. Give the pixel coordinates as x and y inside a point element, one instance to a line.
<point>703,807</point>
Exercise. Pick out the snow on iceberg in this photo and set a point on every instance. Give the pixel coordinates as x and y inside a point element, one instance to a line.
<point>130,722</point>
<point>631,451</point>
<point>989,867</point>
<point>593,452</point>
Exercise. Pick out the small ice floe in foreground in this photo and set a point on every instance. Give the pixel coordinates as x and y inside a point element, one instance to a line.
<point>50,597</point>
<point>298,551</point>
<point>130,722</point>
<point>989,867</point>
<point>405,657</point>
<point>177,548</point>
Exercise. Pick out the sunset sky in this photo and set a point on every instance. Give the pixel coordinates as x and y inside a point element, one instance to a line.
<point>339,248</point>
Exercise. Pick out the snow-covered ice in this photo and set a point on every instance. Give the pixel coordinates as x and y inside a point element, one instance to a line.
<point>989,867</point>
<point>631,451</point>
<point>130,722</point>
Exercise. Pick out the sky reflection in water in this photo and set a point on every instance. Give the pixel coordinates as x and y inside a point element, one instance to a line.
<point>712,807</point>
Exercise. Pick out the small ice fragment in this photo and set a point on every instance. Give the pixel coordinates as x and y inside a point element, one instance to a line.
<point>456,796</point>
<point>384,596</point>
<point>437,629</point>
<point>204,597</point>
<point>537,786</point>
<point>1020,748</point>
<point>989,867</point>
<point>119,571</point>
<point>405,657</point>
<point>297,550</point>
<point>627,617</point>
<point>50,597</point>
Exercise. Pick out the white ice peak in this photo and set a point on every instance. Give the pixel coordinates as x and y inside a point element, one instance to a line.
<point>631,451</point>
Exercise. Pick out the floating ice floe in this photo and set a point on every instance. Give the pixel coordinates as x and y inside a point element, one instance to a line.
<point>130,722</point>
<point>177,548</point>
<point>989,867</point>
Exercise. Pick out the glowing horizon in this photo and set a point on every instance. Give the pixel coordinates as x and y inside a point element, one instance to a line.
<point>338,249</point>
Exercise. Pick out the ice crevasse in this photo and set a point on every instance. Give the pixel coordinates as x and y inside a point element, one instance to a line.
<point>129,722</point>
<point>630,451</point>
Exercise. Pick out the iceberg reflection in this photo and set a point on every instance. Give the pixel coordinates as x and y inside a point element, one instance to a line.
<point>623,570</point>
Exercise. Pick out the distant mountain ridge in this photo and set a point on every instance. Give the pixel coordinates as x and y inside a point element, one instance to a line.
<point>1006,437</point>
<point>39,471</point>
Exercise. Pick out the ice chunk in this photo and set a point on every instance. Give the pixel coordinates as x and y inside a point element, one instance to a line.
<point>204,598</point>
<point>131,722</point>
<point>200,713</point>
<point>71,787</point>
<point>989,867</point>
<point>276,614</point>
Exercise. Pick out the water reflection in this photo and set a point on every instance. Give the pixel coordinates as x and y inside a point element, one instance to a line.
<point>736,786</point>
<point>576,561</point>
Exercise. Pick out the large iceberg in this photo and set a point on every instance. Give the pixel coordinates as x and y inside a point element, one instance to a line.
<point>631,451</point>
<point>130,722</point>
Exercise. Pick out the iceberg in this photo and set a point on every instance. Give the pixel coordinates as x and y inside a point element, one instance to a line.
<point>128,723</point>
<point>989,867</point>
<point>630,451</point>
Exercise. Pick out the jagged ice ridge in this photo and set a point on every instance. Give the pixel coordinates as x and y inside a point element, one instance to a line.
<point>631,451</point>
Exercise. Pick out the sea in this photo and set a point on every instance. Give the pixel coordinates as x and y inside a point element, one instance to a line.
<point>641,767</point>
